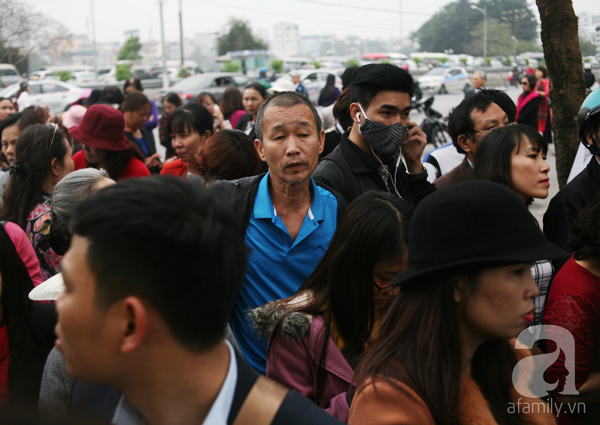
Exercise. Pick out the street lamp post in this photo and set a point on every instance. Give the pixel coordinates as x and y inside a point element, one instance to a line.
<point>484,11</point>
<point>164,54</point>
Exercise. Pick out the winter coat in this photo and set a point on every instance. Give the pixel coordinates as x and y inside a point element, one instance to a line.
<point>294,357</point>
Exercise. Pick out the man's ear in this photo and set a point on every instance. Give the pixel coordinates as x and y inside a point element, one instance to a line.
<point>321,141</point>
<point>355,109</point>
<point>260,149</point>
<point>463,140</point>
<point>134,324</point>
<point>460,285</point>
<point>589,135</point>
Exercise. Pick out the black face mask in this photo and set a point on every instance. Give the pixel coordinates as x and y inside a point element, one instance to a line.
<point>384,139</point>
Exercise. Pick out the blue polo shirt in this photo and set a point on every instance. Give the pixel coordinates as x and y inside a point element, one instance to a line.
<point>278,266</point>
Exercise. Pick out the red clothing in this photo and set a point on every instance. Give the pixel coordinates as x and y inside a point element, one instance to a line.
<point>176,168</point>
<point>4,360</point>
<point>544,110</point>
<point>134,168</point>
<point>25,251</point>
<point>574,304</point>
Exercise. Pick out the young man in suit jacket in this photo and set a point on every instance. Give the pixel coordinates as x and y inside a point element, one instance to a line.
<point>151,279</point>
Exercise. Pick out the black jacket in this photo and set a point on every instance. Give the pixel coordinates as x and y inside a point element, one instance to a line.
<point>101,401</point>
<point>564,207</point>
<point>242,193</point>
<point>30,341</point>
<point>529,113</point>
<point>351,172</point>
<point>589,78</point>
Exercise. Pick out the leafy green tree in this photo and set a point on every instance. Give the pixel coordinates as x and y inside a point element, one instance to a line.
<point>14,56</point>
<point>64,75</point>
<point>463,61</point>
<point>316,64</point>
<point>528,46</point>
<point>123,72</point>
<point>230,67</point>
<point>451,27</point>
<point>130,50</point>
<point>277,66</point>
<point>238,36</point>
<point>587,47</point>
<point>352,62</point>
<point>499,39</point>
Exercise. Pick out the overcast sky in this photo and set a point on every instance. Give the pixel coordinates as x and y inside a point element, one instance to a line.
<point>364,18</point>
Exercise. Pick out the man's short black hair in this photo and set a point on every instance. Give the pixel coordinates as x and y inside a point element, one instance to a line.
<point>371,79</point>
<point>460,121</point>
<point>171,243</point>
<point>285,99</point>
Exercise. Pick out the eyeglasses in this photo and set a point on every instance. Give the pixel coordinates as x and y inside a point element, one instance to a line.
<point>382,288</point>
<point>524,83</point>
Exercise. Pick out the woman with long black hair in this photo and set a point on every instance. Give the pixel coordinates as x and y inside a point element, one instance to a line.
<point>329,93</point>
<point>444,352</point>
<point>318,336</point>
<point>42,159</point>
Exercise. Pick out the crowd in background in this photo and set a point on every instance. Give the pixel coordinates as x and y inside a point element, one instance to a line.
<point>139,289</point>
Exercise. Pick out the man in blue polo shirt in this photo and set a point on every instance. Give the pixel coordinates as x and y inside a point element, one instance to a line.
<point>289,219</point>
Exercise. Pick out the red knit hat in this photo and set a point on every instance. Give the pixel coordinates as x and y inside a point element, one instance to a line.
<point>102,127</point>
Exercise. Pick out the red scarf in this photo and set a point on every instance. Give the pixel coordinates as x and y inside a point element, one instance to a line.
<point>524,100</point>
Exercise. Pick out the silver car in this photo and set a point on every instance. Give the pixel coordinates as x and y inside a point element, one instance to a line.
<point>56,95</point>
<point>314,80</point>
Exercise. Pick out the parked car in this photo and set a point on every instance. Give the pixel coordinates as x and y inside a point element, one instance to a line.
<point>314,80</point>
<point>42,75</point>
<point>9,74</point>
<point>84,77</point>
<point>443,80</point>
<point>107,75</point>
<point>55,94</point>
<point>211,82</point>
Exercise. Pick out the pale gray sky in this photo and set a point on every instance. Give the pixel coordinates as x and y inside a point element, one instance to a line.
<point>340,17</point>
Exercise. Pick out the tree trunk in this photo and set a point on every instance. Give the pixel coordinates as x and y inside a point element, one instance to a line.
<point>560,40</point>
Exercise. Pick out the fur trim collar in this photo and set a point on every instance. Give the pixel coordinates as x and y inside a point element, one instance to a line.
<point>295,327</point>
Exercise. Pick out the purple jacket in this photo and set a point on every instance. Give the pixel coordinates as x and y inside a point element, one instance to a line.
<point>293,362</point>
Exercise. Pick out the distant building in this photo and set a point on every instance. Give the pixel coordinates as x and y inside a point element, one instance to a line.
<point>285,40</point>
<point>131,33</point>
<point>318,45</point>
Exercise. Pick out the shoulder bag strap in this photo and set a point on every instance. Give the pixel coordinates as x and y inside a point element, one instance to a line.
<point>262,403</point>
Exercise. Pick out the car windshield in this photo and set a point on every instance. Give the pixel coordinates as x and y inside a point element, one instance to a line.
<point>435,71</point>
<point>190,83</point>
<point>9,91</point>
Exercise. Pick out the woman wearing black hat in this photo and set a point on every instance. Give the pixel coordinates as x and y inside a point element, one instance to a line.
<point>442,354</point>
<point>515,156</point>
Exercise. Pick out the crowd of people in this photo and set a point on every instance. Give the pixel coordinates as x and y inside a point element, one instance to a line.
<point>270,270</point>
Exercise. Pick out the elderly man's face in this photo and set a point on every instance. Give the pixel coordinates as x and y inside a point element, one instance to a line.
<point>295,80</point>
<point>478,82</point>
<point>291,143</point>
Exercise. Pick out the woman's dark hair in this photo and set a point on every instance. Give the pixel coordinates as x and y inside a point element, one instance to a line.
<point>328,90</point>
<point>544,70</point>
<point>35,149</point>
<point>584,237</point>
<point>204,94</point>
<point>117,160</point>
<point>134,101</point>
<point>16,282</point>
<point>93,98</point>
<point>231,102</point>
<point>341,109</point>
<point>495,151</point>
<point>172,98</point>
<point>192,117</point>
<point>111,95</point>
<point>531,80</point>
<point>229,155</point>
<point>373,229</point>
<point>258,87</point>
<point>419,345</point>
<point>21,119</point>
<point>135,82</point>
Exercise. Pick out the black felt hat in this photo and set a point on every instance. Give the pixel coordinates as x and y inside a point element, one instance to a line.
<point>470,226</point>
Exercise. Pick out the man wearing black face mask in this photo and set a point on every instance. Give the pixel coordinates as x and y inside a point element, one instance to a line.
<point>382,151</point>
